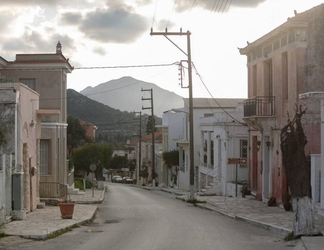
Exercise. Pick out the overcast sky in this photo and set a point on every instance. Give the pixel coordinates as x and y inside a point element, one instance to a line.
<point>112,33</point>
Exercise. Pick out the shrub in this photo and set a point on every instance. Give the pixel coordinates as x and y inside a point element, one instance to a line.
<point>79,184</point>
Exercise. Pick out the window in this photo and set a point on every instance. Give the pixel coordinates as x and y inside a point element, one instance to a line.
<point>243,150</point>
<point>284,76</point>
<point>30,82</point>
<point>44,152</point>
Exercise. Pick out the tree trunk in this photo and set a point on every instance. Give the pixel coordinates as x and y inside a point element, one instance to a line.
<point>293,141</point>
<point>304,217</point>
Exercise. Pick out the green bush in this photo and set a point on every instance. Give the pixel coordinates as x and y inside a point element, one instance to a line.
<point>79,184</point>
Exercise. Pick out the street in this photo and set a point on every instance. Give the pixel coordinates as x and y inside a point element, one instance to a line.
<point>138,219</point>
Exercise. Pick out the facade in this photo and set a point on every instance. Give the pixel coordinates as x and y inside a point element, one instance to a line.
<point>222,136</point>
<point>282,64</point>
<point>19,165</point>
<point>174,127</point>
<point>47,75</point>
<point>145,156</point>
<point>202,107</point>
<point>89,128</point>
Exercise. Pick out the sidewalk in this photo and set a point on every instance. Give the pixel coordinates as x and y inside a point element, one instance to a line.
<point>43,223</point>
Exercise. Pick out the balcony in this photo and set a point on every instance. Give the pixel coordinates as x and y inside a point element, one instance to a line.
<point>259,106</point>
<point>259,112</point>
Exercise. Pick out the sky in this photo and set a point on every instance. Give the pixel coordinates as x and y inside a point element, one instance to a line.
<point>109,39</point>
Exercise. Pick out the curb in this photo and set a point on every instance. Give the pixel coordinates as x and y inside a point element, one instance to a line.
<point>271,228</point>
<point>62,230</point>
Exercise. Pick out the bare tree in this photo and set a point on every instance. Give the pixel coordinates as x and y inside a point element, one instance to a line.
<point>293,141</point>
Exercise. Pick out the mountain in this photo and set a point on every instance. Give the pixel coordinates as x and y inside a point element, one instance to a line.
<point>113,126</point>
<point>125,94</point>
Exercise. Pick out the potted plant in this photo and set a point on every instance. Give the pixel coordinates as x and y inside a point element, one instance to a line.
<point>67,208</point>
<point>287,202</point>
<point>244,190</point>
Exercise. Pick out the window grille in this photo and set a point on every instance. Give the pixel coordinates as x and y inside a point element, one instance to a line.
<point>44,147</point>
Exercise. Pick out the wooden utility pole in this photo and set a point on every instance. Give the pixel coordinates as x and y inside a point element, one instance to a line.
<point>152,131</point>
<point>191,134</point>
<point>139,147</point>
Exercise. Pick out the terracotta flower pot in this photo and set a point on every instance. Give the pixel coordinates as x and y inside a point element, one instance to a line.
<point>67,209</point>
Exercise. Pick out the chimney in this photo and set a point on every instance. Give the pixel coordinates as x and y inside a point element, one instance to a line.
<point>58,48</point>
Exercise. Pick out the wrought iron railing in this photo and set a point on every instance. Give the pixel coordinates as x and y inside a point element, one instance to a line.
<point>208,178</point>
<point>70,177</point>
<point>262,106</point>
<point>52,190</point>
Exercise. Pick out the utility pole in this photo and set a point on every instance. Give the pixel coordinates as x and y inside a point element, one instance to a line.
<point>191,134</point>
<point>139,148</point>
<point>152,130</point>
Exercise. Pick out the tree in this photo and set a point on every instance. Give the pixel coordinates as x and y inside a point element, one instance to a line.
<point>294,160</point>
<point>93,153</point>
<point>144,171</point>
<point>6,124</point>
<point>132,165</point>
<point>76,133</point>
<point>171,160</point>
<point>149,125</point>
<point>118,162</point>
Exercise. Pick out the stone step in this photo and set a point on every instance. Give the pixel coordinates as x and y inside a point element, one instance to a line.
<point>41,205</point>
<point>8,219</point>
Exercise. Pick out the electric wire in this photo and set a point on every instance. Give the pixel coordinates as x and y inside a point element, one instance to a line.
<point>202,81</point>
<point>153,19</point>
<point>175,2</point>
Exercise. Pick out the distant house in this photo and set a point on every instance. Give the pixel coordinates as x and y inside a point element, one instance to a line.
<point>146,154</point>
<point>89,128</point>
<point>46,74</point>
<point>282,64</point>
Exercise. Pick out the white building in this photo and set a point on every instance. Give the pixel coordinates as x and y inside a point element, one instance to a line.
<point>211,118</point>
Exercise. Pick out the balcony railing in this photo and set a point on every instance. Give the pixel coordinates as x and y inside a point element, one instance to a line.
<point>262,106</point>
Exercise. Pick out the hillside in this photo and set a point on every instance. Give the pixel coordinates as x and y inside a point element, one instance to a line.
<point>114,126</point>
<point>125,94</point>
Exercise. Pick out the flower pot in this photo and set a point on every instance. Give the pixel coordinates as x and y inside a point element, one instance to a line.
<point>287,206</point>
<point>67,209</point>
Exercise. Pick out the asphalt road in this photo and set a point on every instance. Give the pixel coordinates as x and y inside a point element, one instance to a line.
<point>138,219</point>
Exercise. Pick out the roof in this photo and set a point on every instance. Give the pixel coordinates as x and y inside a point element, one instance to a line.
<point>300,20</point>
<point>157,136</point>
<point>53,58</point>
<point>214,102</point>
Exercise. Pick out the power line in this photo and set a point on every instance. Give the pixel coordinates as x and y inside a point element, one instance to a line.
<point>95,67</point>
<point>154,13</point>
<point>175,2</point>
<point>244,124</point>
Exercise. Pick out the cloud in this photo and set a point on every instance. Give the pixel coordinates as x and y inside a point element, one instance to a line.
<point>21,3</point>
<point>162,24</point>
<point>5,20</point>
<point>71,18</point>
<point>99,50</point>
<point>216,5</point>
<point>34,41</point>
<point>119,25</point>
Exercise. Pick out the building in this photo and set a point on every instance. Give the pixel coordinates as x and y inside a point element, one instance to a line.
<point>223,136</point>
<point>174,127</point>
<point>46,74</point>
<point>202,108</point>
<point>89,128</point>
<point>19,154</point>
<point>282,64</point>
<point>146,155</point>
